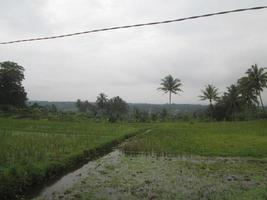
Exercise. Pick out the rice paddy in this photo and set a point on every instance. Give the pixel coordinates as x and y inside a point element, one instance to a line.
<point>33,151</point>
<point>123,176</point>
<point>234,139</point>
<point>178,160</point>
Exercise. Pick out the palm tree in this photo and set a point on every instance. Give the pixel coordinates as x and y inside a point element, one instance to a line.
<point>232,98</point>
<point>101,101</point>
<point>170,85</point>
<point>102,104</point>
<point>210,93</point>
<point>258,79</point>
<point>248,93</point>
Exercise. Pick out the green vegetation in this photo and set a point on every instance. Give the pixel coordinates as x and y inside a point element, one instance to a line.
<point>241,100</point>
<point>11,90</point>
<point>123,176</point>
<point>113,109</point>
<point>210,93</point>
<point>246,139</point>
<point>171,86</point>
<point>257,79</point>
<point>32,151</point>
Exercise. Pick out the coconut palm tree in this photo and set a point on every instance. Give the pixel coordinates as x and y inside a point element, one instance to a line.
<point>170,85</point>
<point>210,93</point>
<point>101,101</point>
<point>233,99</point>
<point>102,104</point>
<point>247,92</point>
<point>258,79</point>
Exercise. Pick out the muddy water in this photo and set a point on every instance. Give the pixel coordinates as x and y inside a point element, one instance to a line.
<point>69,180</point>
<point>122,176</point>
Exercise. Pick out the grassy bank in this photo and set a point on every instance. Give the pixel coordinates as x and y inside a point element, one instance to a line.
<point>32,151</point>
<point>245,139</point>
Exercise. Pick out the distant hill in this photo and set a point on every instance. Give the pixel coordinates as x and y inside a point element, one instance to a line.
<point>177,108</point>
<point>61,105</point>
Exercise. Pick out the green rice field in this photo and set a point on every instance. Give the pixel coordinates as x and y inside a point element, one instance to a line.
<point>234,139</point>
<point>34,151</point>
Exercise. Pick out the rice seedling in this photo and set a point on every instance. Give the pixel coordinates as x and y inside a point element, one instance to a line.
<point>246,139</point>
<point>33,151</point>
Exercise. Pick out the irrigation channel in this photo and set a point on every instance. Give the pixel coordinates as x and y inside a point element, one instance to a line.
<point>64,184</point>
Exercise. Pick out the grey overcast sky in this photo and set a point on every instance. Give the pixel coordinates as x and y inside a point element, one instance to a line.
<point>131,62</point>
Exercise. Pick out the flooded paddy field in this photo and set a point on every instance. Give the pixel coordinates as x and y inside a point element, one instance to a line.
<point>121,175</point>
<point>226,160</point>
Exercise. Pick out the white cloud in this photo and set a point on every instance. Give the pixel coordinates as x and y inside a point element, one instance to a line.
<point>131,62</point>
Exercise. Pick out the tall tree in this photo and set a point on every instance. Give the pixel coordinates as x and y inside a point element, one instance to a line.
<point>247,92</point>
<point>232,99</point>
<point>171,86</point>
<point>11,90</point>
<point>210,93</point>
<point>258,79</point>
<point>102,101</point>
<point>102,104</point>
<point>116,108</point>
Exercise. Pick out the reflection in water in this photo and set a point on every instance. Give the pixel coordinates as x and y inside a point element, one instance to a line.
<point>120,175</point>
<point>67,181</point>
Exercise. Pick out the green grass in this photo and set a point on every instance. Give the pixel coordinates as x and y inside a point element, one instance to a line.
<point>34,150</point>
<point>244,139</point>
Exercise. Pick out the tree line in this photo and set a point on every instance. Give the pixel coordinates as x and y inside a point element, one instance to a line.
<point>113,109</point>
<point>241,100</point>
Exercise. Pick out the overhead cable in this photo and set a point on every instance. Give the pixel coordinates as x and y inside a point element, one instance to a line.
<point>135,25</point>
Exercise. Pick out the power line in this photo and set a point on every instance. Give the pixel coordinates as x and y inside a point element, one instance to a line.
<point>136,25</point>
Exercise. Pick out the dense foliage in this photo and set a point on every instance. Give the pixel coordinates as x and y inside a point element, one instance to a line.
<point>11,90</point>
<point>242,100</point>
<point>111,109</point>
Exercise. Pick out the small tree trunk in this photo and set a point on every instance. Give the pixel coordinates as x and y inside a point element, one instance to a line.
<point>234,115</point>
<point>170,97</point>
<point>261,102</point>
<point>211,110</point>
